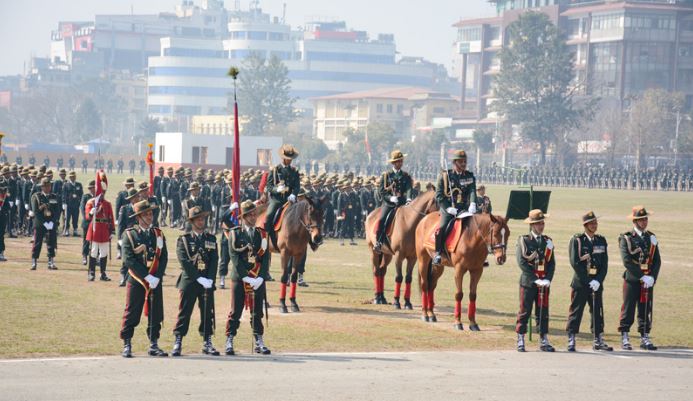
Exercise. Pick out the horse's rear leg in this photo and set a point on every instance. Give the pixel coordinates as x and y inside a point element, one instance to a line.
<point>380,263</point>
<point>471,310</point>
<point>407,284</point>
<point>285,282</point>
<point>294,281</point>
<point>398,282</point>
<point>424,278</point>
<point>436,272</point>
<point>459,295</point>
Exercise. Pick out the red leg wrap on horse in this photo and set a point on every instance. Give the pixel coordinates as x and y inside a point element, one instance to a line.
<point>424,300</point>
<point>376,283</point>
<point>282,294</point>
<point>293,290</point>
<point>398,288</point>
<point>407,291</point>
<point>471,310</point>
<point>431,300</point>
<point>381,284</point>
<point>458,309</point>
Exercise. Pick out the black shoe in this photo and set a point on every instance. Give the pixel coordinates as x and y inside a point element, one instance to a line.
<point>282,306</point>
<point>486,264</point>
<point>104,277</point>
<point>127,349</point>
<point>260,347</point>
<point>123,280</point>
<point>646,343</point>
<point>229,346</point>
<point>208,348</point>
<point>301,281</point>
<point>571,342</point>
<point>154,350</point>
<point>269,278</point>
<point>408,305</point>
<point>396,304</point>
<point>33,264</point>
<point>437,259</point>
<point>177,346</point>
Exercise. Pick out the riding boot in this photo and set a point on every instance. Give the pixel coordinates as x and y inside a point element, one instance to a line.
<point>154,349</point>
<point>92,269</point>
<point>438,258</point>
<point>123,280</point>
<point>520,343</point>
<point>229,346</point>
<point>260,347</point>
<point>301,282</point>
<point>34,262</point>
<point>625,341</point>
<point>600,345</point>
<point>545,344</point>
<point>646,343</point>
<point>571,342</point>
<point>102,268</point>
<point>177,346</point>
<point>127,348</point>
<point>208,348</point>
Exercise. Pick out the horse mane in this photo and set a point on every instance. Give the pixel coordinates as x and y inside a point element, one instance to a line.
<point>296,210</point>
<point>481,220</point>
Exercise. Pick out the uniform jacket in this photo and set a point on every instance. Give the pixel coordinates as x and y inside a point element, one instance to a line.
<point>587,269</point>
<point>530,257</point>
<point>198,257</point>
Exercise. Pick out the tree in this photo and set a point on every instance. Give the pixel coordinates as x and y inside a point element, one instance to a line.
<point>87,121</point>
<point>310,148</point>
<point>534,88</point>
<point>264,97</point>
<point>149,127</point>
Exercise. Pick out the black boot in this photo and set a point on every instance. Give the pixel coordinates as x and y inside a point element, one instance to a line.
<point>571,342</point>
<point>546,345</point>
<point>177,346</point>
<point>407,304</point>
<point>123,280</point>
<point>34,262</point>
<point>383,301</point>
<point>646,343</point>
<point>301,282</point>
<point>260,347</point>
<point>154,349</point>
<point>600,344</point>
<point>229,346</point>
<point>92,269</point>
<point>282,306</point>
<point>127,349</point>
<point>102,267</point>
<point>396,303</point>
<point>208,348</point>
<point>294,305</point>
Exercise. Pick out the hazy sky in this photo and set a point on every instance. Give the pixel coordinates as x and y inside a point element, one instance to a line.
<point>421,28</point>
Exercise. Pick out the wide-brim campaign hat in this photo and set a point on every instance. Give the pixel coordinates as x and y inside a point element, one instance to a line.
<point>197,212</point>
<point>396,155</point>
<point>459,154</point>
<point>143,186</point>
<point>72,174</point>
<point>129,181</point>
<point>132,193</point>
<point>288,152</point>
<point>639,212</point>
<point>142,207</point>
<point>535,216</point>
<point>195,185</point>
<point>247,206</point>
<point>588,217</point>
<point>45,181</point>
<point>92,184</point>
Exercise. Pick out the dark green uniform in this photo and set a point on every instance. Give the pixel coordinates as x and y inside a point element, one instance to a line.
<point>635,250</point>
<point>198,257</point>
<point>590,261</point>
<point>280,175</point>
<point>392,183</point>
<point>46,209</point>
<point>139,249</point>
<point>244,246</point>
<point>456,190</point>
<point>531,254</point>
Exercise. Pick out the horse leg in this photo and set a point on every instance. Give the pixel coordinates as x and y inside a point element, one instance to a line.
<point>424,268</point>
<point>471,310</point>
<point>407,283</point>
<point>284,283</point>
<point>398,282</point>
<point>459,294</point>
<point>294,280</point>
<point>436,274</point>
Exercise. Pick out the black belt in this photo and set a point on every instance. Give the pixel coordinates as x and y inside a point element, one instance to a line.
<point>102,220</point>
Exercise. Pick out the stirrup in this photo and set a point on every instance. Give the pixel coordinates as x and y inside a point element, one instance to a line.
<point>437,258</point>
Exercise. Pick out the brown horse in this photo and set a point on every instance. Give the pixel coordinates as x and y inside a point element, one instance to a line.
<point>480,232</point>
<point>299,228</point>
<point>403,236</point>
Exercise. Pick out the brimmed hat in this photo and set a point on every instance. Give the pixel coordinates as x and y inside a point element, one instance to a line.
<point>132,192</point>
<point>161,168</point>
<point>535,216</point>
<point>142,207</point>
<point>92,184</point>
<point>288,152</point>
<point>396,155</point>
<point>72,174</point>
<point>459,154</point>
<point>193,186</point>
<point>45,181</point>
<point>142,186</point>
<point>196,212</point>
<point>639,212</point>
<point>169,169</point>
<point>5,170</point>
<point>247,206</point>
<point>129,181</point>
<point>480,187</point>
<point>588,217</point>
<point>62,171</point>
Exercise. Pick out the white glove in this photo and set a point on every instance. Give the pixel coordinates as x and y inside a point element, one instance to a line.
<point>653,240</point>
<point>258,283</point>
<point>234,206</point>
<point>549,244</point>
<point>539,282</point>
<point>11,203</point>
<point>452,211</point>
<point>47,225</point>
<point>17,202</point>
<point>163,199</point>
<point>263,244</point>
<point>214,208</point>
<point>547,283</point>
<point>153,281</point>
<point>26,206</point>
<point>93,210</point>
<point>363,213</point>
<point>170,202</point>
<point>280,188</point>
<point>31,213</point>
<point>393,199</point>
<point>472,208</point>
<point>64,206</point>
<point>292,198</point>
<point>648,281</point>
<point>594,285</point>
<point>248,280</point>
<point>159,242</point>
<point>120,242</point>
<point>205,282</point>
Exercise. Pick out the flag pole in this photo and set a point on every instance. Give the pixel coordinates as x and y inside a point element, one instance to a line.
<point>150,162</point>
<point>236,167</point>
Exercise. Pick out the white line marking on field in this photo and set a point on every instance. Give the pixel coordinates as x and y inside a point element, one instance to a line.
<point>66,359</point>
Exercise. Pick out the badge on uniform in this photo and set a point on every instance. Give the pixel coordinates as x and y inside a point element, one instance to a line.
<point>210,245</point>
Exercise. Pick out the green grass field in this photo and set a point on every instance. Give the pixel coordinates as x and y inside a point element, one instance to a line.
<point>51,313</point>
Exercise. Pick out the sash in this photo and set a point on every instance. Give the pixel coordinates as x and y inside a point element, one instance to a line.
<point>152,268</point>
<point>2,199</point>
<point>645,268</point>
<point>254,272</point>
<point>541,273</point>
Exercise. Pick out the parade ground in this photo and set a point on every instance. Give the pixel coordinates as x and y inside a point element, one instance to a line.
<point>59,327</point>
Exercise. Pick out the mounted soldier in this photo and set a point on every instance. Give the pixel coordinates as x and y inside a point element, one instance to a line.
<point>283,185</point>
<point>395,191</point>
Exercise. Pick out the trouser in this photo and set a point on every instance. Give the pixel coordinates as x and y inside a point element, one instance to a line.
<point>175,210</point>
<point>72,217</point>
<point>578,298</point>
<point>195,293</point>
<point>85,244</point>
<point>384,211</point>
<point>346,228</point>
<point>134,303</point>
<point>631,300</point>
<point>224,256</point>
<point>237,305</point>
<point>3,227</point>
<point>329,221</point>
<point>441,234</point>
<point>272,209</point>
<point>11,219</point>
<point>529,296</point>
<point>51,241</point>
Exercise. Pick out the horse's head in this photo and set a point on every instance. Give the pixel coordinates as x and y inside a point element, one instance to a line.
<point>499,238</point>
<point>425,203</point>
<point>315,216</point>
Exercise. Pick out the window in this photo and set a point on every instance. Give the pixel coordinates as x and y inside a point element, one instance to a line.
<point>238,35</point>
<point>257,35</point>
<point>439,110</point>
<point>389,108</point>
<point>400,108</point>
<point>264,156</point>
<point>162,153</point>
<point>469,34</point>
<point>199,154</point>
<point>379,108</point>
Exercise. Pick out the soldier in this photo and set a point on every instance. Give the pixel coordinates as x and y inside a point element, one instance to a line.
<point>483,202</point>
<point>58,191</point>
<point>121,200</point>
<point>589,259</point>
<point>4,212</point>
<point>345,208</point>
<point>228,221</point>
<point>536,260</point>
<point>100,231</point>
<point>60,162</point>
<point>109,166</point>
<point>173,196</point>
<point>198,257</point>
<point>192,201</point>
<point>283,184</point>
<point>146,257</point>
<point>85,164</point>
<point>143,193</point>
<point>640,255</point>
<point>142,166</point>
<point>47,161</point>
<point>395,191</point>
<point>32,159</point>
<point>13,203</point>
<point>124,222</point>
<point>455,192</point>
<point>45,208</point>
<point>85,221</point>
<point>132,166</point>
<point>120,164</point>
<point>72,195</point>
<point>71,163</point>
<point>250,260</point>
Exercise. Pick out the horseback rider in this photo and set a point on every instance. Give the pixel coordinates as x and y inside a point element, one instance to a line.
<point>395,191</point>
<point>283,184</point>
<point>455,191</point>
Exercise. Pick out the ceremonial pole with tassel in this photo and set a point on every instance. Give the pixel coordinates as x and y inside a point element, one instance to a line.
<point>236,166</point>
<point>150,162</point>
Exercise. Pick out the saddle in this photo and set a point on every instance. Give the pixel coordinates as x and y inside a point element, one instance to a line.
<point>389,226</point>
<point>279,217</point>
<point>453,232</point>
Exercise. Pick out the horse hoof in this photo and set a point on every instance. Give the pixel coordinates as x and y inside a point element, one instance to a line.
<point>425,318</point>
<point>283,309</point>
<point>433,319</point>
<point>408,305</point>
<point>397,305</point>
<point>295,308</point>
<point>459,326</point>
<point>474,327</point>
